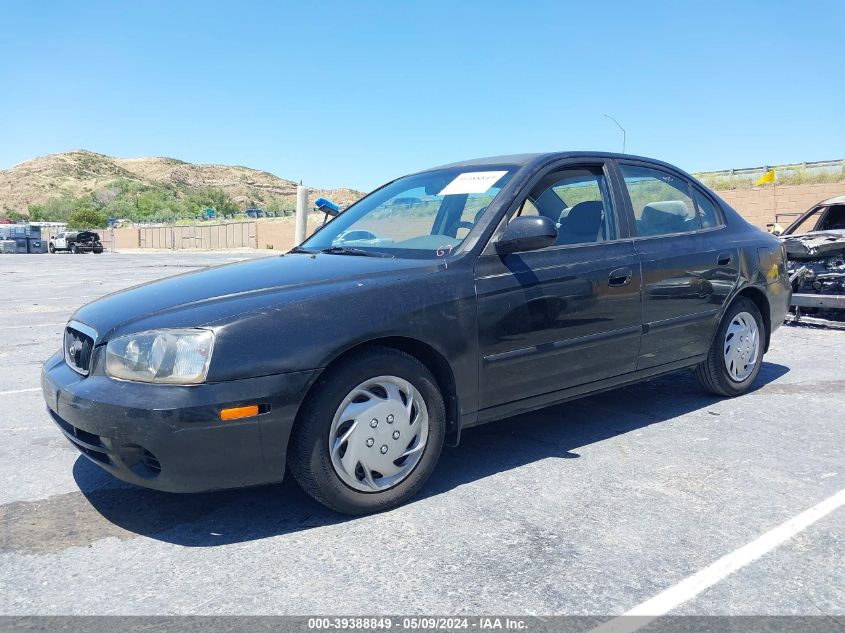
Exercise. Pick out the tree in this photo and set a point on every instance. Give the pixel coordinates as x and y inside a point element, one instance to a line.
<point>85,217</point>
<point>104,197</point>
<point>36,213</point>
<point>219,200</point>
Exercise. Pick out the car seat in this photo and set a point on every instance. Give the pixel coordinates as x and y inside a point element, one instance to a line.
<point>660,218</point>
<point>582,224</point>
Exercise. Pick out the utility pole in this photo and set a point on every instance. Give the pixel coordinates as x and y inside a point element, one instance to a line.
<point>301,214</point>
<point>619,125</point>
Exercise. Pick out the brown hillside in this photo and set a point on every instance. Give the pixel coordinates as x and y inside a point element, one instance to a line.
<point>80,172</point>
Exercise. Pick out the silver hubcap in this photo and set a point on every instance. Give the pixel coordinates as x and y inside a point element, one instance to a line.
<point>378,434</point>
<point>742,346</point>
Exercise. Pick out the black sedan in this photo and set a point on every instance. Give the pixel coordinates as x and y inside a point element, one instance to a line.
<point>510,284</point>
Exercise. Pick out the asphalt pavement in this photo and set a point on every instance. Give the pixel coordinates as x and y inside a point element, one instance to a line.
<point>588,508</point>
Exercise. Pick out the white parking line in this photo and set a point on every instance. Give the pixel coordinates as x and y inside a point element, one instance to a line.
<point>9,393</point>
<point>664,602</point>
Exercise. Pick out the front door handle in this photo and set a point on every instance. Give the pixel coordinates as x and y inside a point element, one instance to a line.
<point>620,277</point>
<point>724,259</point>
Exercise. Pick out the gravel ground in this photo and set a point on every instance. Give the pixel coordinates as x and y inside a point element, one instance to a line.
<point>587,508</point>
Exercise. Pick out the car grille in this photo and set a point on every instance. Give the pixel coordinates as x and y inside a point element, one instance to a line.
<point>78,350</point>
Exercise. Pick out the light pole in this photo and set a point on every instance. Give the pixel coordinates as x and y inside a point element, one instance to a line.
<point>619,125</point>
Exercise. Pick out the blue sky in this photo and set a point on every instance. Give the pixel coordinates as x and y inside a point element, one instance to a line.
<point>356,93</point>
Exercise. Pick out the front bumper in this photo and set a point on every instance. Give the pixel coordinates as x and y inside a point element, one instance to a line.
<point>170,437</point>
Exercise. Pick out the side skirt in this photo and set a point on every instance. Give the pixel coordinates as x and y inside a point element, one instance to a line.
<point>579,391</point>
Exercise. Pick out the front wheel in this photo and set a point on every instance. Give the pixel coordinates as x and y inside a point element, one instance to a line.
<point>736,354</point>
<point>370,434</point>
<point>51,248</point>
<point>74,249</point>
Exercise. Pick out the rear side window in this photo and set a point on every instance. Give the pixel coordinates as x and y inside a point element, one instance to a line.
<point>662,203</point>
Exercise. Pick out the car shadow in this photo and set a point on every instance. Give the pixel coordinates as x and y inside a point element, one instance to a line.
<point>217,518</point>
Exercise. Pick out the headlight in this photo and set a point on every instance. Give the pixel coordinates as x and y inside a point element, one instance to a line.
<point>179,357</point>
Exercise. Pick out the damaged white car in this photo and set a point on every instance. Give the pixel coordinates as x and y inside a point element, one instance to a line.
<point>815,250</point>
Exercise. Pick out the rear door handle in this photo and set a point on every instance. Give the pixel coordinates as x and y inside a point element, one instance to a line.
<point>724,259</point>
<point>620,277</point>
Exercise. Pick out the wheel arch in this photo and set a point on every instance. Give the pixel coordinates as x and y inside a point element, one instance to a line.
<point>759,298</point>
<point>434,361</point>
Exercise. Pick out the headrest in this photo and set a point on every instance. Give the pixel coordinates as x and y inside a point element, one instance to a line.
<point>585,217</point>
<point>478,215</point>
<point>672,207</point>
<point>664,217</point>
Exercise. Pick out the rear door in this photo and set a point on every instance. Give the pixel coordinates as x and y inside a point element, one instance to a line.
<point>689,268</point>
<point>567,314</point>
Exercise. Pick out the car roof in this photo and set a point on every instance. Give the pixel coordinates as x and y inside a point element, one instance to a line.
<point>831,201</point>
<point>523,160</point>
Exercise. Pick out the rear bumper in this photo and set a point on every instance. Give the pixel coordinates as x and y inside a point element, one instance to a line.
<point>170,437</point>
<point>779,294</point>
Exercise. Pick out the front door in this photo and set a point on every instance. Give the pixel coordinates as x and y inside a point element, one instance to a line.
<point>565,315</point>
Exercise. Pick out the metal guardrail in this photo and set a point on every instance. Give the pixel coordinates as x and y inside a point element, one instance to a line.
<point>814,165</point>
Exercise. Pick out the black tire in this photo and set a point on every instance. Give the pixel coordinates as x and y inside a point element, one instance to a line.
<point>712,374</point>
<point>308,451</point>
<point>52,249</point>
<point>74,249</point>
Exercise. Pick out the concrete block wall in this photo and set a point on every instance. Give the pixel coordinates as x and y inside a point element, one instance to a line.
<point>760,204</point>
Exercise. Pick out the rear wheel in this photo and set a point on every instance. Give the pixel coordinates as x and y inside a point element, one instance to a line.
<point>736,354</point>
<point>370,433</point>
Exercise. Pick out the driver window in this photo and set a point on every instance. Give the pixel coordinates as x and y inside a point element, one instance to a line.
<point>834,219</point>
<point>578,201</point>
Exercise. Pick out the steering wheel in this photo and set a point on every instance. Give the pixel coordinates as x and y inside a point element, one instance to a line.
<point>357,234</point>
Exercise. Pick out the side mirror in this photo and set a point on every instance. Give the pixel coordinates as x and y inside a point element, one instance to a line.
<point>527,233</point>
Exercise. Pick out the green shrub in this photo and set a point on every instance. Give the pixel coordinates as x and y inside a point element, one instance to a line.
<point>86,217</point>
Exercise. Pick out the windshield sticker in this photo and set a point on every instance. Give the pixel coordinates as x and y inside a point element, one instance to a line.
<point>472,182</point>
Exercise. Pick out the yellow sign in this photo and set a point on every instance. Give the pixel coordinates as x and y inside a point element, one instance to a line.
<point>768,177</point>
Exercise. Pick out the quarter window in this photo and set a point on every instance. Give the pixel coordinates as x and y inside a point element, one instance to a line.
<point>662,203</point>
<point>578,202</point>
<point>706,210</point>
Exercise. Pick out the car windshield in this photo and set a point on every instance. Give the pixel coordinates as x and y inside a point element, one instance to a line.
<point>424,215</point>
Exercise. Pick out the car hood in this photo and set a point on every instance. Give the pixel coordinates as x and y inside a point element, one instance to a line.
<point>211,295</point>
<point>814,244</point>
